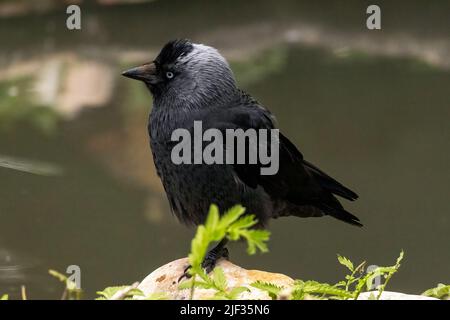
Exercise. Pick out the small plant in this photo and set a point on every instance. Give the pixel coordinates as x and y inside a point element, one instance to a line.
<point>442,291</point>
<point>233,225</point>
<point>127,293</point>
<point>350,288</point>
<point>120,293</point>
<point>71,292</point>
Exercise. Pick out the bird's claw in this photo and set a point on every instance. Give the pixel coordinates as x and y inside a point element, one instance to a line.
<point>185,274</point>
<point>208,263</point>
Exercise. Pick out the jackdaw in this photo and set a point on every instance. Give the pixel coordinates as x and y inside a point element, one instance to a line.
<point>193,82</point>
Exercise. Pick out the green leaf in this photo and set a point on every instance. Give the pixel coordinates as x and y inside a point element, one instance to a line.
<point>109,292</point>
<point>370,277</point>
<point>442,291</point>
<point>61,277</point>
<point>235,292</point>
<point>211,224</point>
<point>345,262</point>
<point>399,259</point>
<point>135,292</point>
<point>231,216</point>
<point>220,280</point>
<point>198,284</point>
<point>298,295</point>
<point>187,284</point>
<point>245,222</point>
<point>256,239</point>
<point>272,289</point>
<point>70,285</point>
<point>199,246</point>
<point>220,295</point>
<point>157,296</point>
<point>314,287</point>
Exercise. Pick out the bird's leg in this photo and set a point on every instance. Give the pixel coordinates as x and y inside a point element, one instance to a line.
<point>214,255</point>
<point>211,258</point>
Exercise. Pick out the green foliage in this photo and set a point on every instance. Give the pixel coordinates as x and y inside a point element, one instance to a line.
<point>71,291</point>
<point>126,293</point>
<point>346,262</point>
<point>317,290</point>
<point>157,296</point>
<point>386,272</point>
<point>4,297</point>
<point>272,290</point>
<point>442,291</point>
<point>351,288</point>
<point>232,225</point>
<point>218,282</point>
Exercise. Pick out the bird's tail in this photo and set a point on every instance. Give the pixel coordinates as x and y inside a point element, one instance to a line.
<point>330,184</point>
<point>338,212</point>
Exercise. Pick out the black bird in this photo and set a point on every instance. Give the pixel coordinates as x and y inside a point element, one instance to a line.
<point>191,82</point>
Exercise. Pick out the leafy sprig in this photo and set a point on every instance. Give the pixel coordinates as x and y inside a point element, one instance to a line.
<point>71,291</point>
<point>232,225</point>
<point>442,291</point>
<point>351,288</point>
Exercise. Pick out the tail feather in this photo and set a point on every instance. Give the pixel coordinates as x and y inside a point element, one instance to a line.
<point>341,214</point>
<point>330,184</point>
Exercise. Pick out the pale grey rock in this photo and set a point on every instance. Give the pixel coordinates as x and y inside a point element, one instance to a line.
<point>165,280</point>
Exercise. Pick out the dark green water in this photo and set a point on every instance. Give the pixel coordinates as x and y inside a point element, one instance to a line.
<point>377,121</point>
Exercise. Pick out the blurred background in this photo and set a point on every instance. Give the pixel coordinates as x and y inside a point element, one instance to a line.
<point>77,182</point>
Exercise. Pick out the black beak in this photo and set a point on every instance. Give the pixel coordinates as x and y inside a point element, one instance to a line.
<point>146,72</point>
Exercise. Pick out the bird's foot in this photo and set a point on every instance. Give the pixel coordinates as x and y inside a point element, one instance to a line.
<point>209,262</point>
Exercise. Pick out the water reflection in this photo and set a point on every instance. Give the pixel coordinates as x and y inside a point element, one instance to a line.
<point>371,109</point>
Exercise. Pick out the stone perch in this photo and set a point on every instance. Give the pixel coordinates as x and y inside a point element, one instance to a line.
<point>165,280</point>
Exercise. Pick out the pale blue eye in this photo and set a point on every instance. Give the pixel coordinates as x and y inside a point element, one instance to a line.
<point>169,75</point>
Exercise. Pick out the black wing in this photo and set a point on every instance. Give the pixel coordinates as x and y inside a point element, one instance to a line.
<point>297,181</point>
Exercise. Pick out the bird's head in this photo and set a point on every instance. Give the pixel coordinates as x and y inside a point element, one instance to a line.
<point>186,73</point>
